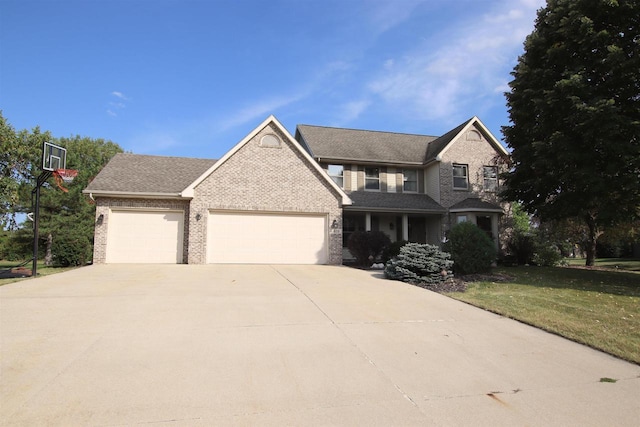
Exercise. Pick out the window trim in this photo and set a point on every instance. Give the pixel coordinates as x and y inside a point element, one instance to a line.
<point>366,179</point>
<point>404,180</point>
<point>466,176</point>
<point>334,177</point>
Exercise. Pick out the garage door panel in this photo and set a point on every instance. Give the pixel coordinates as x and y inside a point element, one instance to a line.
<point>250,238</point>
<point>145,237</point>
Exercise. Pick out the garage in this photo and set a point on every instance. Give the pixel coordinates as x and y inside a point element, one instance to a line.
<point>154,237</point>
<point>264,238</point>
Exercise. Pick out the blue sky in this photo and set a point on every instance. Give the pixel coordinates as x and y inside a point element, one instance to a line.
<point>193,77</point>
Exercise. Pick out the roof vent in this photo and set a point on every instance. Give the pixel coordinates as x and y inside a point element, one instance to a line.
<point>270,140</point>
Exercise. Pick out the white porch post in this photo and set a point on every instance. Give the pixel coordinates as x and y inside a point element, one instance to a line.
<point>367,222</point>
<point>405,227</point>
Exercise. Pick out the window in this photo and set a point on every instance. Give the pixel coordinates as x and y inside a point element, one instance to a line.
<point>410,181</point>
<point>460,177</point>
<point>461,218</point>
<point>336,172</point>
<point>490,178</point>
<point>371,179</point>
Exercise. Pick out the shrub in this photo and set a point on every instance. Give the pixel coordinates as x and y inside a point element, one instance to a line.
<point>71,248</point>
<point>471,249</point>
<point>366,246</point>
<point>523,247</point>
<point>393,250</point>
<point>419,263</point>
<point>547,256</point>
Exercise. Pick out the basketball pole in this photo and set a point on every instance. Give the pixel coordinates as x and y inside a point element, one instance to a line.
<point>36,219</point>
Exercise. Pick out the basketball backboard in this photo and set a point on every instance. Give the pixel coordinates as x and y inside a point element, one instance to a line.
<point>53,157</point>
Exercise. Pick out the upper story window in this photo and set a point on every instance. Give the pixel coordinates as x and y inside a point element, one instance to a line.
<point>336,172</point>
<point>460,176</point>
<point>490,174</point>
<point>410,180</point>
<point>371,179</point>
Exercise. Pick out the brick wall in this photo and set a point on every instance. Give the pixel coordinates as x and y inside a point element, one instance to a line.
<point>475,153</point>
<point>268,179</point>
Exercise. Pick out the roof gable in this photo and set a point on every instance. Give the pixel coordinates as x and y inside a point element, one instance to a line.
<point>139,174</point>
<point>271,120</point>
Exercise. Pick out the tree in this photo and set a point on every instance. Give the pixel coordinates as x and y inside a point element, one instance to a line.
<point>20,154</point>
<point>60,212</point>
<point>574,108</point>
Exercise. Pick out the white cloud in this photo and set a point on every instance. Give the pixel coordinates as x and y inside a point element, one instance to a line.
<point>120,104</point>
<point>437,81</point>
<point>119,95</point>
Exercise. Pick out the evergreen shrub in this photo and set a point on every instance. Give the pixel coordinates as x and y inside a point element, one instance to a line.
<point>419,263</point>
<point>71,249</point>
<point>470,248</point>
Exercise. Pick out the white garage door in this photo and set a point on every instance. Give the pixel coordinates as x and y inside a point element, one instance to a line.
<point>145,237</point>
<point>250,238</point>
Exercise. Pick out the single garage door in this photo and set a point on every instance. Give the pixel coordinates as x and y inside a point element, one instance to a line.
<point>251,238</point>
<point>145,237</point>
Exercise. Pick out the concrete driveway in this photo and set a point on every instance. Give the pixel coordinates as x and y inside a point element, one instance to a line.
<point>185,345</point>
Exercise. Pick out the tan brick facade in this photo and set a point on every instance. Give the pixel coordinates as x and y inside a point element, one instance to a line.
<point>265,179</point>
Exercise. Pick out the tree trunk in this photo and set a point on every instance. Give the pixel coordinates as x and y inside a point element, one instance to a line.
<point>591,240</point>
<point>48,258</point>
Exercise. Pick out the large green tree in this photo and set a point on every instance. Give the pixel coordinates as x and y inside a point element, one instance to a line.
<point>65,216</point>
<point>574,108</point>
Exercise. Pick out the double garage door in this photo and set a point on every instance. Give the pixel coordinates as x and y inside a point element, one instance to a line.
<point>238,238</point>
<point>250,238</point>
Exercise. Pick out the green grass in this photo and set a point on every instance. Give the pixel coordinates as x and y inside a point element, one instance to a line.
<point>599,308</point>
<point>43,270</point>
<point>629,264</point>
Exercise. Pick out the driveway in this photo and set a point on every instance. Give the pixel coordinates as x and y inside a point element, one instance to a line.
<point>189,345</point>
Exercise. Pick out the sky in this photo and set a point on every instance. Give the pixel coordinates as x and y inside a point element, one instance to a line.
<point>192,78</point>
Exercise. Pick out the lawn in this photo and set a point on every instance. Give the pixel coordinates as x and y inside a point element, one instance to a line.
<point>599,308</point>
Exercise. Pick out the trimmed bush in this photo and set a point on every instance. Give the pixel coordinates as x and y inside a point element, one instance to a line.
<point>471,249</point>
<point>419,263</point>
<point>366,246</point>
<point>393,250</point>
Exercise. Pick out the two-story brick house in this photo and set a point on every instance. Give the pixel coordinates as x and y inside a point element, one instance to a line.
<point>412,187</point>
<point>274,198</point>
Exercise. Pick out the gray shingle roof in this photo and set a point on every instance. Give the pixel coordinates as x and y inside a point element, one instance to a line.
<point>394,202</point>
<point>373,146</point>
<point>136,173</point>
<point>363,145</point>
<point>474,203</point>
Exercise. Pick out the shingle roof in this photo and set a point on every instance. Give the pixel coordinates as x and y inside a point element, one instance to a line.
<point>136,173</point>
<point>475,204</point>
<point>394,202</point>
<point>364,145</point>
<point>373,146</point>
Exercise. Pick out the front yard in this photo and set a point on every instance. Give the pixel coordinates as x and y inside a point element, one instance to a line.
<point>596,307</point>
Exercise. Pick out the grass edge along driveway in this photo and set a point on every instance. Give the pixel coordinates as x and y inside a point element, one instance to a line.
<point>599,308</point>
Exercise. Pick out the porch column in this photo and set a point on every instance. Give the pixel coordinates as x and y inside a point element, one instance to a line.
<point>367,222</point>
<point>405,227</point>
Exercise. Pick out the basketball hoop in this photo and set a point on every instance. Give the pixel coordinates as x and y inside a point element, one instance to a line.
<point>64,176</point>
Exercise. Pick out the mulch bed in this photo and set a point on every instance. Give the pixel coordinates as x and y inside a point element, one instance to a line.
<point>459,284</point>
<point>13,273</point>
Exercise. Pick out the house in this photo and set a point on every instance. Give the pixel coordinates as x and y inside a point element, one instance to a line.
<point>278,199</point>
